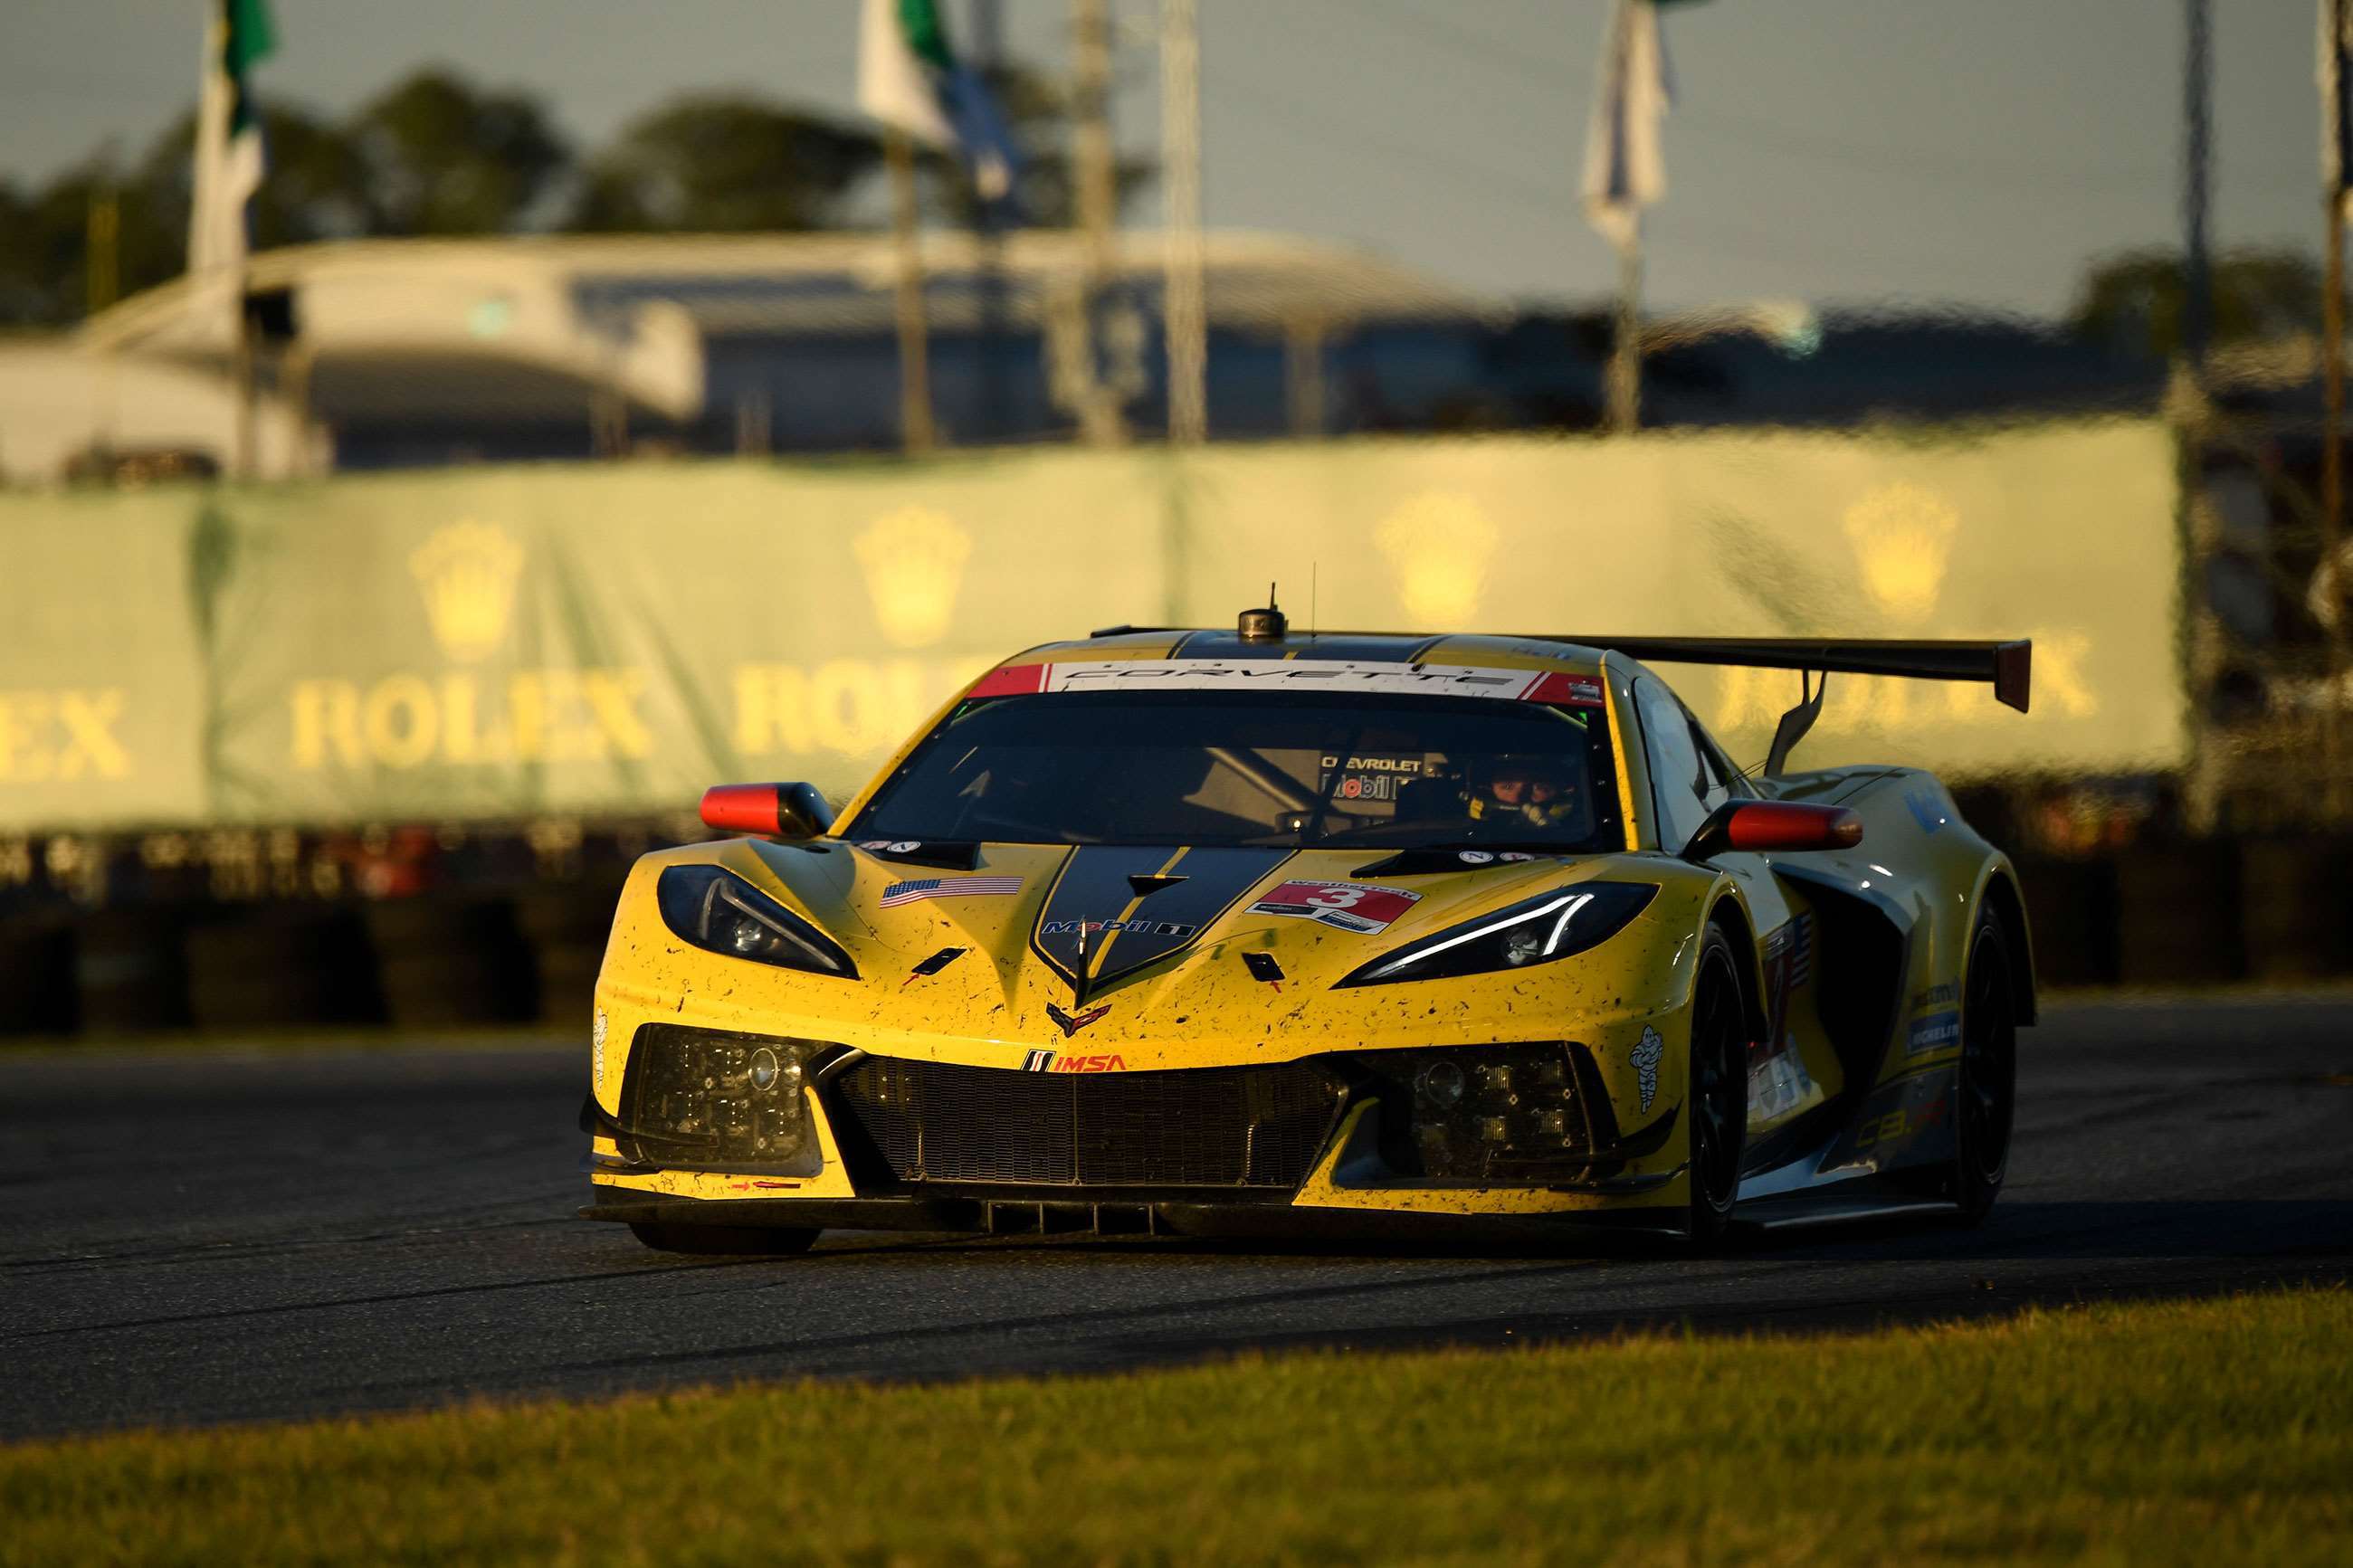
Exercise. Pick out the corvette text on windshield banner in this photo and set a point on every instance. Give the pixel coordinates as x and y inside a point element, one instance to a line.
<point>1293,675</point>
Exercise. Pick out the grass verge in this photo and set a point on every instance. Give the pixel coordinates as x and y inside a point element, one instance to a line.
<point>2193,1431</point>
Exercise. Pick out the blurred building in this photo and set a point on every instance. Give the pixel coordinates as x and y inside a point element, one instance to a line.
<point>396,353</point>
<point>405,353</point>
<point>68,411</point>
<point>1785,363</point>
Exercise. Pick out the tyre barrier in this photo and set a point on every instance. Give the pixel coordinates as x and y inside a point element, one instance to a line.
<point>2071,918</point>
<point>279,965</point>
<point>36,966</point>
<point>131,971</point>
<point>2296,908</point>
<point>2177,914</point>
<point>444,962</point>
<point>567,928</point>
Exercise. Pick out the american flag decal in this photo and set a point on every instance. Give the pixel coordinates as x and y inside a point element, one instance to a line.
<point>898,893</point>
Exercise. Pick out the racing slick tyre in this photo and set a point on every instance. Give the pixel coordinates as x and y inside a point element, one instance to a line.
<point>1988,1086</point>
<point>723,1240</point>
<point>1718,1095</point>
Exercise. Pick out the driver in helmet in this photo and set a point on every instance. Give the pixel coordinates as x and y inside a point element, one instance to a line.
<point>1525,792</point>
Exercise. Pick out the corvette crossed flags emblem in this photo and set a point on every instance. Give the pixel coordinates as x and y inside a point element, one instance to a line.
<point>1070,1024</point>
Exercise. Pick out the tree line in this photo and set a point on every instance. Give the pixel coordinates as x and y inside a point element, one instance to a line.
<point>436,154</point>
<point>439,155</point>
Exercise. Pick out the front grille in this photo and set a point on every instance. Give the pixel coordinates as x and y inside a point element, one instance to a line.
<point>1203,1127</point>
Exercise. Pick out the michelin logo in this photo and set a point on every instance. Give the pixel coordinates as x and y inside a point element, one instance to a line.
<point>1934,1032</point>
<point>1645,1058</point>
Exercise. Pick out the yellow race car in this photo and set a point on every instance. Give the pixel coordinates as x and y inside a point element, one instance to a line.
<point>1200,931</point>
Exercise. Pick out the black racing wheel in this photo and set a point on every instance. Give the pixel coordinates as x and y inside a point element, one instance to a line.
<point>1988,1089</point>
<point>1716,1093</point>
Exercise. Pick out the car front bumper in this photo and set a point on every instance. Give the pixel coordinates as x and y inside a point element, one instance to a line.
<point>1183,1152</point>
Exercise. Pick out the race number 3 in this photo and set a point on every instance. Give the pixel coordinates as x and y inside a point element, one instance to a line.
<point>1351,906</point>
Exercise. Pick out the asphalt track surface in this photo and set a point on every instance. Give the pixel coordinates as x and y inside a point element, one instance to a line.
<point>198,1237</point>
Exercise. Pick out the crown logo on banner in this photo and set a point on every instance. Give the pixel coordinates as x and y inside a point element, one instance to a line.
<point>913,560</point>
<point>467,572</point>
<point>1438,546</point>
<point>1902,535</point>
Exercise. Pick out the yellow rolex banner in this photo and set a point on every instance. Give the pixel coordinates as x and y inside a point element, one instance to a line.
<point>502,643</point>
<point>104,683</point>
<point>2064,534</point>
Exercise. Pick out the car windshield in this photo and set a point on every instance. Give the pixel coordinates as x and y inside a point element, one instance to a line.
<point>1257,769</point>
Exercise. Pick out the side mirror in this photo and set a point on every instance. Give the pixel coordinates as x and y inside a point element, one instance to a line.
<point>767,810</point>
<point>1766,826</point>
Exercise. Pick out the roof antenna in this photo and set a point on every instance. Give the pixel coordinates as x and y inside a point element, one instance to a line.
<point>1261,626</point>
<point>1312,569</point>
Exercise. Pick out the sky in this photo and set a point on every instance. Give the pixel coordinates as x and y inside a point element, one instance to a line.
<point>1849,153</point>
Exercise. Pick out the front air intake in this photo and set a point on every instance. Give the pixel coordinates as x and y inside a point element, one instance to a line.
<point>1207,1127</point>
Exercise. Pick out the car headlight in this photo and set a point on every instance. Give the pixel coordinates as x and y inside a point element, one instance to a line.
<point>1552,925</point>
<point>719,913</point>
<point>714,1097</point>
<point>1505,1113</point>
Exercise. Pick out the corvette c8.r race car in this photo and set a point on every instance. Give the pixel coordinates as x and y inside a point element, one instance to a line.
<point>1198,931</point>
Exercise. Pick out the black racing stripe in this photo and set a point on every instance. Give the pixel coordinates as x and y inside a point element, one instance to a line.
<point>1227,646</point>
<point>1361,650</point>
<point>1355,649</point>
<point>1214,880</point>
<point>1093,887</point>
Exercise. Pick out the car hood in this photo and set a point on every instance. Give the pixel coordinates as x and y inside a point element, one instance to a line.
<point>1144,947</point>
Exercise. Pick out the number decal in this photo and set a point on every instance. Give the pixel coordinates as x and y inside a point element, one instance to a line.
<point>1359,907</point>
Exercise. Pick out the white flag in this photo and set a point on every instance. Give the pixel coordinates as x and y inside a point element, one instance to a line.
<point>911,80</point>
<point>228,134</point>
<point>1624,168</point>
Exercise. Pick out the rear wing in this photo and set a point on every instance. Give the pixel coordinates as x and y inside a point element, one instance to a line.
<point>2006,665</point>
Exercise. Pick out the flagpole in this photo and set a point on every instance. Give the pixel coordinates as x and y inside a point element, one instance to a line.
<point>915,431</point>
<point>247,458</point>
<point>2332,362</point>
<point>2197,122</point>
<point>989,413</point>
<point>1183,319</point>
<point>1626,356</point>
<point>104,251</point>
<point>1099,419</point>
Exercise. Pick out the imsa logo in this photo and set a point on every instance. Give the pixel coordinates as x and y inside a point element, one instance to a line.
<point>1050,1061</point>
